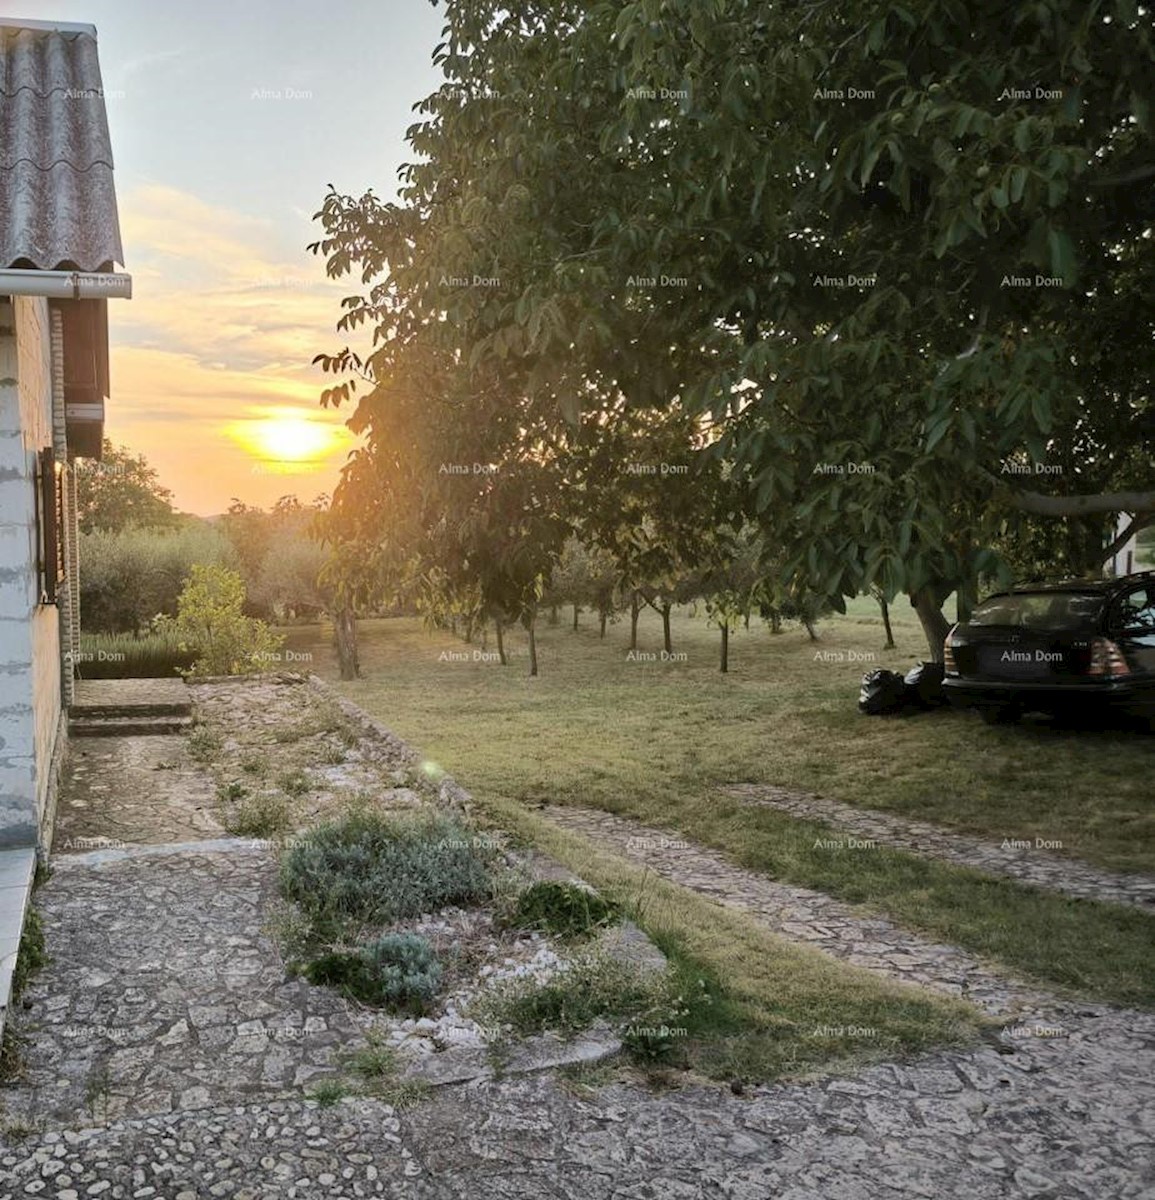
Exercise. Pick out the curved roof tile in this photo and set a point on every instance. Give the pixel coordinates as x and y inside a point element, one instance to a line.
<point>57,200</point>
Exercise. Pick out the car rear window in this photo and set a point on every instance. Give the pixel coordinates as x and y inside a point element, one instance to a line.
<point>1041,610</point>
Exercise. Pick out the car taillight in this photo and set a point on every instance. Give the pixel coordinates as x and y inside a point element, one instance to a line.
<point>1107,659</point>
<point>949,666</point>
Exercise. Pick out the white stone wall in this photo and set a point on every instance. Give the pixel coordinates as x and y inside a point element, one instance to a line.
<point>29,631</point>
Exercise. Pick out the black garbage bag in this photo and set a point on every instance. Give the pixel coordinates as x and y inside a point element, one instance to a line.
<point>882,692</point>
<point>924,686</point>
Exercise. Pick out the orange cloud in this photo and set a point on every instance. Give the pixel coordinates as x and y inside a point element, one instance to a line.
<point>218,339</point>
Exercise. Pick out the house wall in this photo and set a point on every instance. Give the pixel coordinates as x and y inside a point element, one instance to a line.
<point>30,719</point>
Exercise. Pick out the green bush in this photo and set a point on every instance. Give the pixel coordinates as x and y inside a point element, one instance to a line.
<point>398,971</point>
<point>211,622</point>
<point>563,909</point>
<point>125,656</point>
<point>369,868</point>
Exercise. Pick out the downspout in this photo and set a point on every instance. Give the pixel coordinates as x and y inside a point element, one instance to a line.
<point>69,617</point>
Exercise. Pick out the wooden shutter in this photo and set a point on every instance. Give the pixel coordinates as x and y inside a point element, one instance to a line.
<point>49,506</point>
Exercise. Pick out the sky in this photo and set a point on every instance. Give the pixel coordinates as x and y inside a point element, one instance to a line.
<point>228,122</point>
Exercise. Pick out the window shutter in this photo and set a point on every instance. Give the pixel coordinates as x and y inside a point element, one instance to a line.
<point>48,511</point>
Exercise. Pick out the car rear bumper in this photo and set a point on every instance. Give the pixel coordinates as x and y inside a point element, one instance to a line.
<point>1124,695</point>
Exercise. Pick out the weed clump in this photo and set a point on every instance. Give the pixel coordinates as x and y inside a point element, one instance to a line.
<point>32,953</point>
<point>398,971</point>
<point>263,815</point>
<point>589,988</point>
<point>563,909</point>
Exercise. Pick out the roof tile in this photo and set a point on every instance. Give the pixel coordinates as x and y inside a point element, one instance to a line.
<point>57,200</point>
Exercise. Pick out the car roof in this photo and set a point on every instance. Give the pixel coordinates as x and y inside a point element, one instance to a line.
<point>1103,586</point>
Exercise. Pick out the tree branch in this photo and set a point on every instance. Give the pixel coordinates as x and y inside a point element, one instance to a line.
<point>1140,522</point>
<point>1142,503</point>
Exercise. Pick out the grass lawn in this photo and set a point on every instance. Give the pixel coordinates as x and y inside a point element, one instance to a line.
<point>757,1007</point>
<point>656,740</point>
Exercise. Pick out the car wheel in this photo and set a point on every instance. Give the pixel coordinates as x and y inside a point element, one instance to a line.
<point>1006,714</point>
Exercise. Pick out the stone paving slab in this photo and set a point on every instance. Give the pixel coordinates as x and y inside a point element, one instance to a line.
<point>131,791</point>
<point>1016,858</point>
<point>1064,1119</point>
<point>802,915</point>
<point>164,992</point>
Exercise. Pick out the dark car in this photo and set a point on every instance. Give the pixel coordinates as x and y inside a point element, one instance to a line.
<point>1070,649</point>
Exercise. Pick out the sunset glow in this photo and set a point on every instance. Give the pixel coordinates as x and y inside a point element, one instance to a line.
<point>289,438</point>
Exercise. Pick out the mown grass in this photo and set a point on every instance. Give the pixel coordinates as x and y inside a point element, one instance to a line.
<point>754,1006</point>
<point>659,741</point>
<point>598,730</point>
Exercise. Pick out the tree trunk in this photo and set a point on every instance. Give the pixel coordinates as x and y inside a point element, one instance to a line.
<point>809,627</point>
<point>882,604</point>
<point>635,608</point>
<point>576,610</point>
<point>345,635</point>
<point>666,642</point>
<point>724,666</point>
<point>775,621</point>
<point>500,635</point>
<point>746,622</point>
<point>934,625</point>
<point>602,616</point>
<point>553,617</point>
<point>532,627</point>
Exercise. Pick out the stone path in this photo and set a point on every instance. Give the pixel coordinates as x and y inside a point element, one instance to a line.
<point>163,991</point>
<point>1018,858</point>
<point>1070,1119</point>
<point>129,695</point>
<point>802,915</point>
<point>131,791</point>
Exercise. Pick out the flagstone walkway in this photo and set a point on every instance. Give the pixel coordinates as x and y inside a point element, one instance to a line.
<point>1025,859</point>
<point>872,942</point>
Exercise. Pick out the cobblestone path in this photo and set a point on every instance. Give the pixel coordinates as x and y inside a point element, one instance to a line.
<point>122,791</point>
<point>1070,1120</point>
<point>163,991</point>
<point>1028,863</point>
<point>802,915</point>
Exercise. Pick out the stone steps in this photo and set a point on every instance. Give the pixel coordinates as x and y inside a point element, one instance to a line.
<point>136,725</point>
<point>169,709</point>
<point>129,708</point>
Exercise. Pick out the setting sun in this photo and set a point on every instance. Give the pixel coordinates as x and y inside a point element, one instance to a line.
<point>287,437</point>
